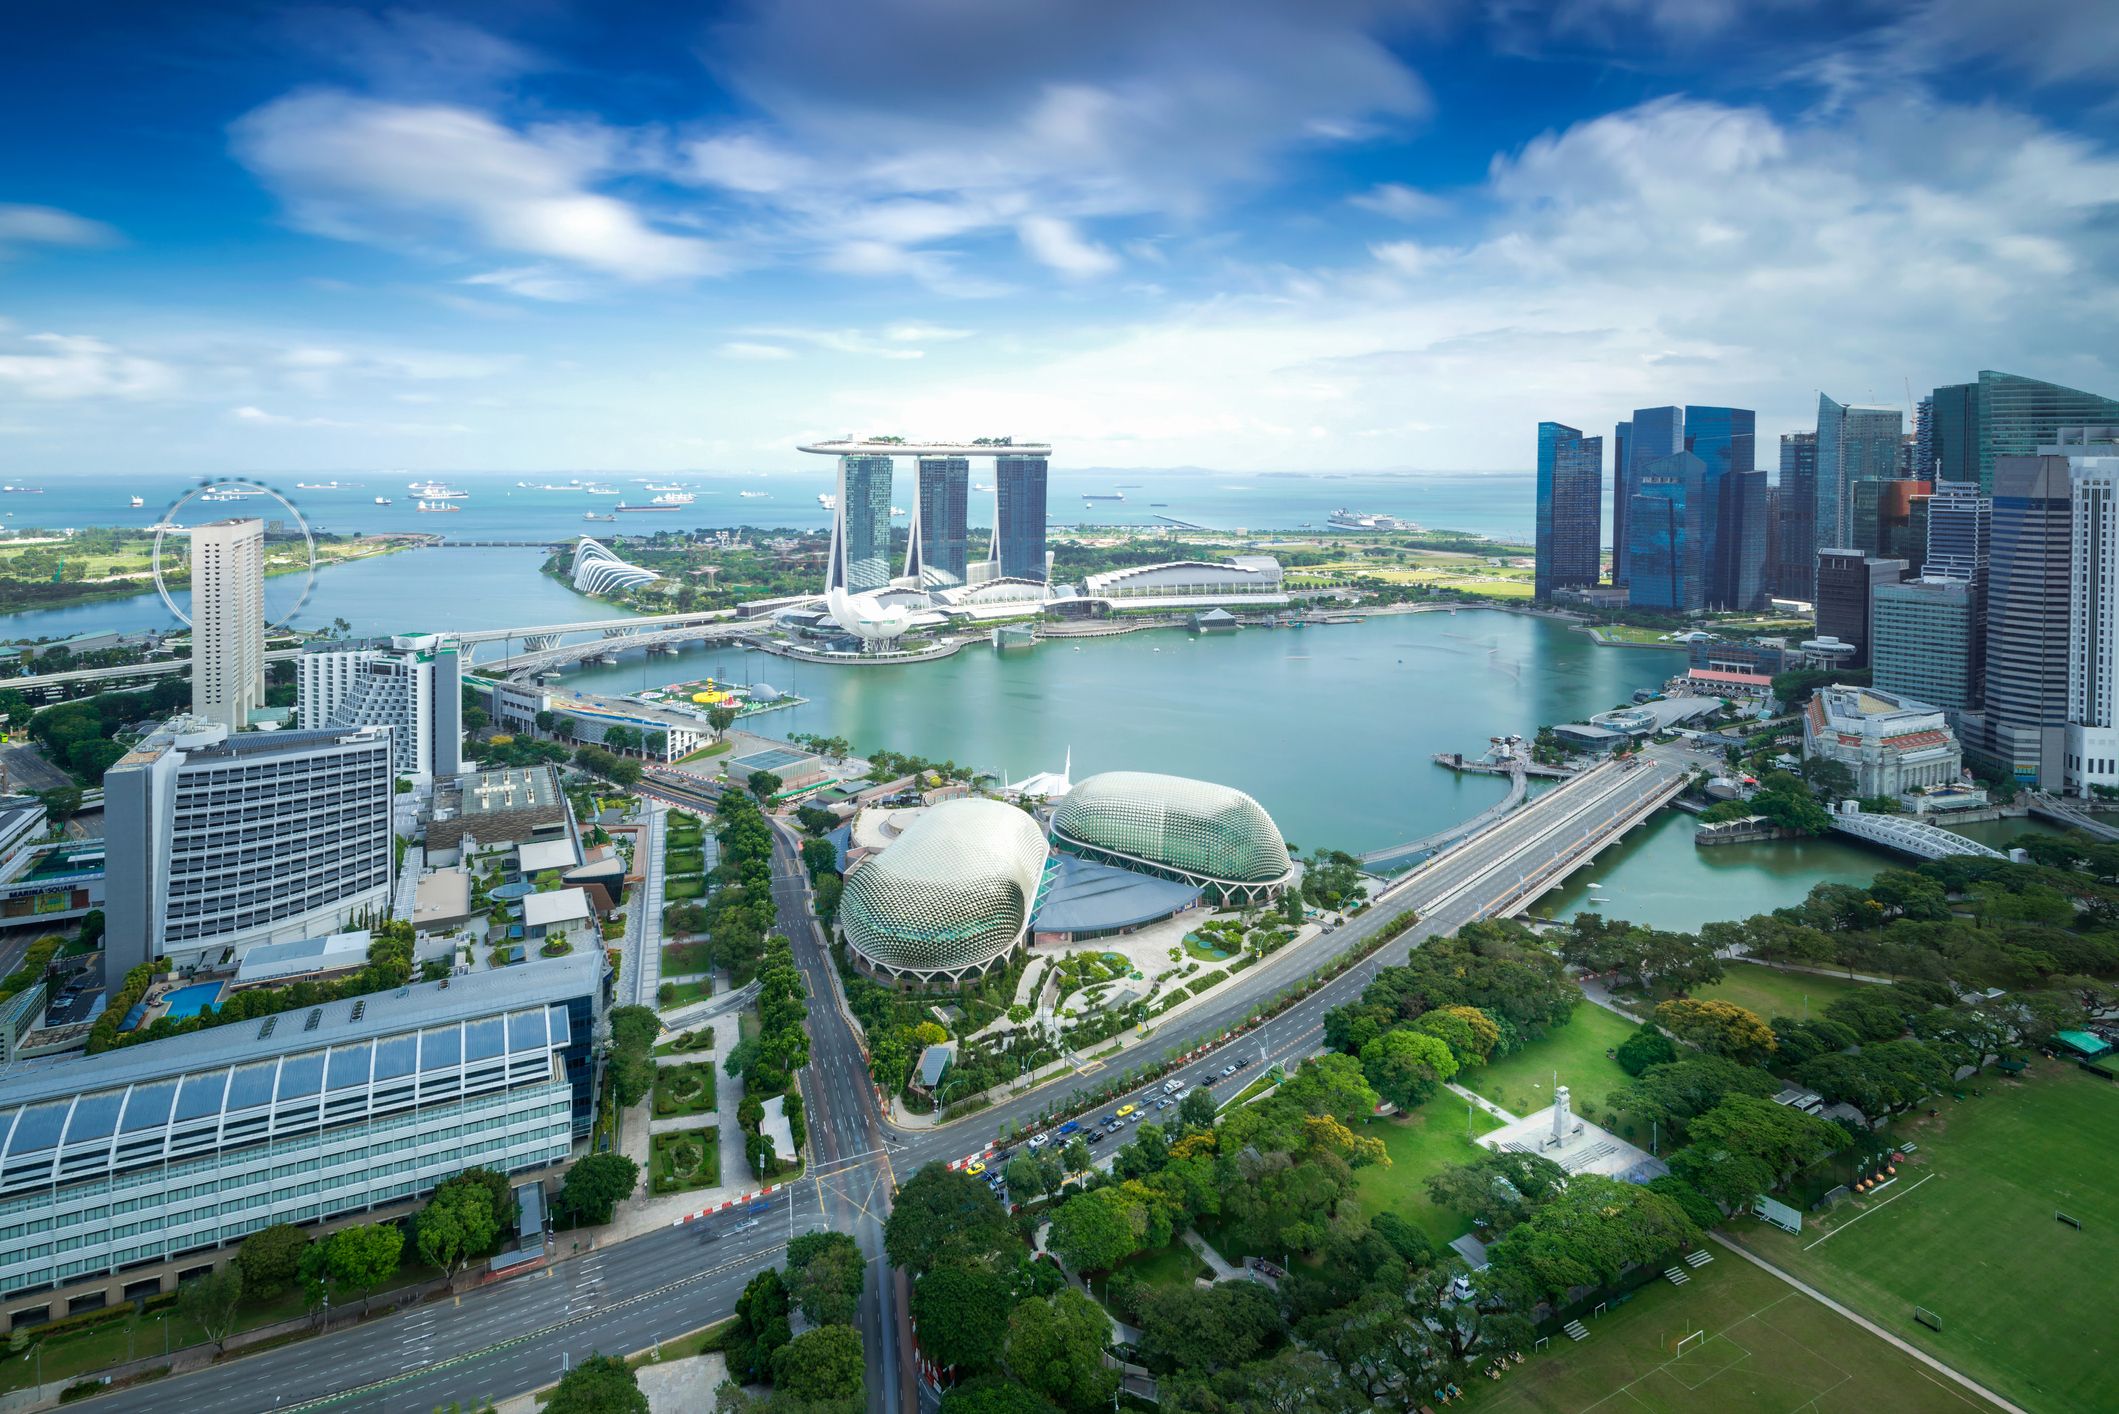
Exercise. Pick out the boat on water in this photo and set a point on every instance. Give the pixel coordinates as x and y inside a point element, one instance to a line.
<point>754,495</point>
<point>601,490</point>
<point>674,498</point>
<point>318,486</point>
<point>1159,505</point>
<point>980,486</point>
<point>591,515</point>
<point>137,503</point>
<point>1343,519</point>
<point>671,487</point>
<point>23,490</point>
<point>432,506</point>
<point>1103,495</point>
<point>828,501</point>
<point>382,500</point>
<point>655,505</point>
<point>897,510</point>
<point>437,491</point>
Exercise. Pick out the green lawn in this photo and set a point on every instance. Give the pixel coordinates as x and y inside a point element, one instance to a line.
<point>684,861</point>
<point>1522,1083</point>
<point>696,989</point>
<point>684,1090</point>
<point>1771,992</point>
<point>1969,1232</point>
<point>1422,1142</point>
<point>689,1159</point>
<point>691,886</point>
<point>1174,1265</point>
<point>1768,1349</point>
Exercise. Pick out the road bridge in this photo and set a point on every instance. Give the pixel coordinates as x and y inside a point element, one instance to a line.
<point>2045,807</point>
<point>1908,836</point>
<point>546,655</point>
<point>1383,861</point>
<point>131,672</point>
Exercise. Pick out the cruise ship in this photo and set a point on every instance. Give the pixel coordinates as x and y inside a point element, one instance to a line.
<point>1344,519</point>
<point>436,491</point>
<point>431,506</point>
<point>137,503</point>
<point>754,495</point>
<point>382,500</point>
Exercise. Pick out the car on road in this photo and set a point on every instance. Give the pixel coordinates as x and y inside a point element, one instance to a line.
<point>1110,1120</point>
<point>1162,1104</point>
<point>1071,1126</point>
<point>1179,1097</point>
<point>1171,1087</point>
<point>1039,1141</point>
<point>1124,1110</point>
<point>975,1167</point>
<point>1096,1136</point>
<point>1242,1061</point>
<point>1227,1071</point>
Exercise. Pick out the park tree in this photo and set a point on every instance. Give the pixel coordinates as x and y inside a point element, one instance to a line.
<point>1030,1173</point>
<point>995,1394</point>
<point>819,858</point>
<point>943,1214</point>
<point>821,1366</point>
<point>594,1187</point>
<point>1198,1330</point>
<point>1331,1085</point>
<point>825,1272</point>
<point>1747,1145</point>
<point>1588,1234</point>
<point>1500,1188</point>
<point>760,1327</point>
<point>1407,1066</point>
<point>763,784</point>
<point>1669,1095</point>
<point>457,1223</point>
<point>1078,1157</point>
<point>364,1255</point>
<point>1882,1078</point>
<point>721,718</point>
<point>1718,1028</point>
<point>601,1384</point>
<point>1096,1230</point>
<point>962,1311</point>
<point>211,1301</point>
<point>1056,1347</point>
<point>1874,1013</point>
<point>1647,1046</point>
<point>271,1259</point>
<point>1469,1033</point>
<point>1196,1110</point>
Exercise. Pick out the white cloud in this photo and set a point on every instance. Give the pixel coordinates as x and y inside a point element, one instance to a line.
<point>64,367</point>
<point>846,341</point>
<point>1058,244</point>
<point>912,331</point>
<point>540,282</point>
<point>23,226</point>
<point>401,174</point>
<point>1400,202</point>
<point>252,416</point>
<point>751,352</point>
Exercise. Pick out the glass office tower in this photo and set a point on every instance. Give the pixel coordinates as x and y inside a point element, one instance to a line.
<point>1651,434</point>
<point>1796,575</point>
<point>860,532</point>
<point>1621,490</point>
<point>939,549</point>
<point>2006,415</point>
<point>1733,543</point>
<point>1019,517</point>
<point>1854,443</point>
<point>1663,535</point>
<point>1570,509</point>
<point>2027,620</point>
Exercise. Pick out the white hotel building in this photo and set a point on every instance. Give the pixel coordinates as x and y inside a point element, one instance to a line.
<point>410,683</point>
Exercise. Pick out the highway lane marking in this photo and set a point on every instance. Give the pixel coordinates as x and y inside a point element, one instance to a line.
<point>657,1296</point>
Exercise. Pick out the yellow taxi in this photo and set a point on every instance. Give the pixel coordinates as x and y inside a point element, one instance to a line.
<point>975,1167</point>
<point>1124,1110</point>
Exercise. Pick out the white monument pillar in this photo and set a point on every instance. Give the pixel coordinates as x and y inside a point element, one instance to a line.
<point>1560,1114</point>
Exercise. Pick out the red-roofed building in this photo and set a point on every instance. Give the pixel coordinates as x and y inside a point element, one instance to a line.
<point>1892,743</point>
<point>1718,682</point>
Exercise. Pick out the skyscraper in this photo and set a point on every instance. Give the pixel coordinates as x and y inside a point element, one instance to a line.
<point>1733,531</point>
<point>1885,518</point>
<point>1926,640</point>
<point>1960,520</point>
<point>1663,533</point>
<point>1019,517</point>
<point>1854,443</point>
<point>1651,434</point>
<point>860,527</point>
<point>1924,438</point>
<point>1846,584</point>
<point>1621,489</point>
<point>2006,415</point>
<point>1796,575</point>
<point>221,841</point>
<point>411,683</point>
<point>938,548</point>
<point>1570,509</point>
<point>2093,625</point>
<point>228,621</point>
<point>2024,731</point>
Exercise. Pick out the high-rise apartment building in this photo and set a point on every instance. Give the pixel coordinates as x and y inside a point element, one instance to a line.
<point>1650,435</point>
<point>1795,575</point>
<point>1927,641</point>
<point>2006,415</point>
<point>1924,438</point>
<point>1846,585</point>
<point>228,621</point>
<point>860,526</point>
<point>1663,530</point>
<point>1854,443</point>
<point>1733,530</point>
<point>1621,489</point>
<point>938,550</point>
<point>2093,625</point>
<point>2024,726</point>
<point>412,684</point>
<point>221,841</point>
<point>1570,509</point>
<point>1960,520</point>
<point>1019,518</point>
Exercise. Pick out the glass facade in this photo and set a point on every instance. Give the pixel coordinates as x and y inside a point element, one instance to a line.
<point>1925,642</point>
<point>1570,509</point>
<point>1204,833</point>
<point>2027,620</point>
<point>940,549</point>
<point>1795,574</point>
<point>2006,415</point>
<point>948,898</point>
<point>1960,521</point>
<point>1621,491</point>
<point>1854,443</point>
<point>1663,531</point>
<point>860,549</point>
<point>1019,517</point>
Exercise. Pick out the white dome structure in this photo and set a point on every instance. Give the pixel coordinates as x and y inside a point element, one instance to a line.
<point>868,616</point>
<point>598,571</point>
<point>1202,833</point>
<point>950,898</point>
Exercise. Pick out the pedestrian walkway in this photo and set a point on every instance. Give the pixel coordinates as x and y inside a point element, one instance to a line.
<point>1483,1103</point>
<point>1868,1325</point>
<point>1223,1270</point>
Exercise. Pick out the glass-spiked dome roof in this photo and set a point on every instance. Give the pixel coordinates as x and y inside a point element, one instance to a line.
<point>1195,827</point>
<point>952,893</point>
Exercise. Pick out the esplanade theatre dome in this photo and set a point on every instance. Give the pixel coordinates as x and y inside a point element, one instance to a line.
<point>1207,834</point>
<point>949,897</point>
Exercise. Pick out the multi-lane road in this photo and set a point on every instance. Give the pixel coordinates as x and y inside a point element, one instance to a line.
<point>520,1334</point>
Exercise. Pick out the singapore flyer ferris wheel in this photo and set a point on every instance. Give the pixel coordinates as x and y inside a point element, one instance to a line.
<point>241,498</point>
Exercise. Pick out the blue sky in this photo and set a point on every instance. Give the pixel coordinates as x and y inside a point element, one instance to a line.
<point>1340,234</point>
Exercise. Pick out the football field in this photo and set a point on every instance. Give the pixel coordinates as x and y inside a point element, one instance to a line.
<point>1762,1348</point>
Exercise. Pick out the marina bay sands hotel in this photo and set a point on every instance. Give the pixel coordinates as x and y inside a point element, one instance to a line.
<point>939,553</point>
